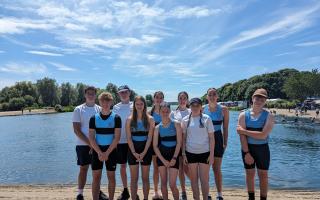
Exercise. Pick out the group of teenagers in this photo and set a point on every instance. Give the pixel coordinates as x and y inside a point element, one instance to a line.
<point>185,142</point>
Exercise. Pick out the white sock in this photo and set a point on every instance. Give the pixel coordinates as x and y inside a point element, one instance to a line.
<point>219,194</point>
<point>80,191</point>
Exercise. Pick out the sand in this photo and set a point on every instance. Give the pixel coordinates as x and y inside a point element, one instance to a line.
<point>308,114</point>
<point>69,192</point>
<point>26,112</point>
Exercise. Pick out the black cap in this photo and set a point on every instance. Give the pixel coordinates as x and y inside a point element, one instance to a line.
<point>195,100</point>
<point>123,88</point>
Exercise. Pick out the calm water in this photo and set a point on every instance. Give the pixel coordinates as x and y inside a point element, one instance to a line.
<point>40,149</point>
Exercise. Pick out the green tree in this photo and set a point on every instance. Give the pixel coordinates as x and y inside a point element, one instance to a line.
<point>26,88</point>
<point>149,100</point>
<point>80,87</point>
<point>48,91</point>
<point>29,100</point>
<point>113,89</point>
<point>68,94</point>
<point>4,106</point>
<point>296,88</point>
<point>250,90</point>
<point>16,103</point>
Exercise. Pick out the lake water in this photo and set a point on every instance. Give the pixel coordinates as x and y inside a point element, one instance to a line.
<point>40,149</point>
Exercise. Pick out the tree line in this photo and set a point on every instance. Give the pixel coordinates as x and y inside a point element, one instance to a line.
<point>47,92</point>
<point>289,84</point>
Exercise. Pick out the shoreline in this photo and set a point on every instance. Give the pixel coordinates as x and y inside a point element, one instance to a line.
<point>69,191</point>
<point>292,115</point>
<point>278,112</point>
<point>26,112</point>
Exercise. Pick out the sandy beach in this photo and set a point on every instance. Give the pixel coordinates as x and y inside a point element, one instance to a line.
<point>69,192</point>
<point>26,112</point>
<point>292,113</point>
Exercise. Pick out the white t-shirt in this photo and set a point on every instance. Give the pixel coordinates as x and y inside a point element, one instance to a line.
<point>197,137</point>
<point>178,115</point>
<point>124,111</point>
<point>82,114</point>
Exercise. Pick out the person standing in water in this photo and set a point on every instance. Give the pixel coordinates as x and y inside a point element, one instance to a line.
<point>220,120</point>
<point>198,147</point>
<point>104,135</point>
<point>158,98</point>
<point>177,115</point>
<point>123,109</point>
<point>167,145</point>
<point>139,129</point>
<point>254,127</point>
<point>80,119</point>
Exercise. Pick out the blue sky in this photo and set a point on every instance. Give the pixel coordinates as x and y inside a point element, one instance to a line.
<point>156,45</point>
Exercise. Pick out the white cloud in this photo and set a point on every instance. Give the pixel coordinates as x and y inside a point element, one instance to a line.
<point>18,26</point>
<point>44,53</point>
<point>183,70</point>
<point>24,68</point>
<point>62,67</point>
<point>96,43</point>
<point>286,53</point>
<point>186,12</point>
<point>2,51</point>
<point>289,24</point>
<point>75,27</point>
<point>307,44</point>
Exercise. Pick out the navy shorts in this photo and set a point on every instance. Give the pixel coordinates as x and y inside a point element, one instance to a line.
<point>167,153</point>
<point>218,144</point>
<point>122,153</point>
<point>261,156</point>
<point>83,155</point>
<point>111,163</point>
<point>139,147</point>
<point>198,158</point>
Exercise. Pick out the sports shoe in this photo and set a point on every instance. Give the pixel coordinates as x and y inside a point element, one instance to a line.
<point>80,197</point>
<point>124,195</point>
<point>103,196</point>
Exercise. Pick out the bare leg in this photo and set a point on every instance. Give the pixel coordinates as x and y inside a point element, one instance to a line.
<point>123,173</point>
<point>111,183</point>
<point>164,182</point>
<point>134,173</point>
<point>263,177</point>
<point>96,179</point>
<point>155,176</point>
<point>145,180</point>
<point>250,173</point>
<point>82,177</point>
<point>204,179</point>
<point>194,178</point>
<point>181,175</point>
<point>217,173</point>
<point>173,173</point>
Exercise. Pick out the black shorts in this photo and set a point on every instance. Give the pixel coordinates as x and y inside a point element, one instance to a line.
<point>261,156</point>
<point>122,153</point>
<point>139,147</point>
<point>111,163</point>
<point>198,158</point>
<point>167,153</point>
<point>83,155</point>
<point>218,144</point>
